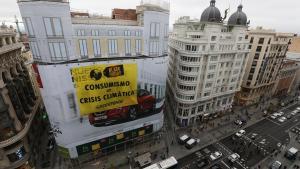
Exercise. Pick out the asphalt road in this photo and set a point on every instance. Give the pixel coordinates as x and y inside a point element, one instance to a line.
<point>270,134</point>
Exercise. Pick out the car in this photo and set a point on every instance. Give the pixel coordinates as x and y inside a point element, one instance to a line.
<point>294,112</point>
<point>190,143</point>
<point>273,117</point>
<point>278,145</point>
<point>276,165</point>
<point>238,122</point>
<point>146,104</point>
<point>253,136</point>
<point>280,113</point>
<point>289,116</point>
<point>240,133</point>
<point>263,141</point>
<point>183,139</point>
<point>202,163</point>
<point>216,155</point>
<point>282,119</point>
<point>234,157</point>
<point>298,108</point>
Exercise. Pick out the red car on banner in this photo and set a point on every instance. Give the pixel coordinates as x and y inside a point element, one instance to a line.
<point>145,106</point>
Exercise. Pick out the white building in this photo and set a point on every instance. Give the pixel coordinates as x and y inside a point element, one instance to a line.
<point>68,35</point>
<point>207,61</point>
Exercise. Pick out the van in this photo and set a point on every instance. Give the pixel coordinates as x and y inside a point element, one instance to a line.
<point>190,143</point>
<point>183,139</point>
<point>291,154</point>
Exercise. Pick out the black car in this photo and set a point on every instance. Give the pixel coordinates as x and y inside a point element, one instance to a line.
<point>216,166</point>
<point>202,163</point>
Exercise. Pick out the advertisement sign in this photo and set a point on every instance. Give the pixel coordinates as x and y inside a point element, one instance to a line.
<point>104,87</point>
<point>69,92</point>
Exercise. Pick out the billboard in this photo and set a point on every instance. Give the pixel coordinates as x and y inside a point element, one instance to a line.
<point>103,99</point>
<point>105,87</point>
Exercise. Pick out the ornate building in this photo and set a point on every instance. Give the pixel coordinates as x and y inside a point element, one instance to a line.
<point>19,105</point>
<point>267,51</point>
<point>207,60</point>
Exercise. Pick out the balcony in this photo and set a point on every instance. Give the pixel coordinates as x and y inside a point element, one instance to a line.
<point>11,47</point>
<point>26,128</point>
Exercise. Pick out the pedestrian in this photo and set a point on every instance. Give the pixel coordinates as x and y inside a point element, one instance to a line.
<point>172,142</point>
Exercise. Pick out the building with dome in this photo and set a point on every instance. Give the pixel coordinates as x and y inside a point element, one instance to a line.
<point>206,64</point>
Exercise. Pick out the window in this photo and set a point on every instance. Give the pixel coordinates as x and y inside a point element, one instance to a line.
<point>127,47</point>
<point>127,33</point>
<point>111,33</point>
<point>210,76</point>
<point>112,47</point>
<point>97,47</point>
<point>250,46</point>
<point>35,50</point>
<point>72,104</point>
<point>206,94</point>
<point>83,48</point>
<point>154,30</point>
<point>213,38</point>
<point>212,47</point>
<point>256,56</point>
<point>154,48</point>
<point>191,48</point>
<point>258,49</point>
<point>57,51</point>
<point>80,32</point>
<point>250,77</point>
<point>208,85</point>
<point>138,46</point>
<point>166,31</point>
<point>212,67</point>
<point>138,33</point>
<point>200,108</point>
<point>261,40</point>
<point>28,26</point>
<point>240,38</point>
<point>251,40</point>
<point>214,58</point>
<point>95,32</point>
<point>269,41</point>
<point>53,27</point>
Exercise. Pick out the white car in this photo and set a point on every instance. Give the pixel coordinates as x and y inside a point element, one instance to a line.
<point>240,133</point>
<point>273,117</point>
<point>280,113</point>
<point>294,112</point>
<point>282,119</point>
<point>216,155</point>
<point>234,157</point>
<point>298,108</point>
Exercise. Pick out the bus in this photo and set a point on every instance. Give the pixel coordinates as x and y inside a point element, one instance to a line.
<point>169,163</point>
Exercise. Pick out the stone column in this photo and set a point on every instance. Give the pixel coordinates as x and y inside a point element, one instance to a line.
<point>11,110</point>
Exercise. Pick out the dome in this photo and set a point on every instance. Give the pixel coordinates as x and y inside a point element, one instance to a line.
<point>211,14</point>
<point>238,18</point>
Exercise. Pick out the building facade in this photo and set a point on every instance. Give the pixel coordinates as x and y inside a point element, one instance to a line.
<point>286,78</point>
<point>207,61</point>
<point>71,39</point>
<point>19,106</point>
<point>70,35</point>
<point>294,55</point>
<point>268,50</point>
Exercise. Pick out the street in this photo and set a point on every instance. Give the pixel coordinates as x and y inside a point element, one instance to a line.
<point>260,140</point>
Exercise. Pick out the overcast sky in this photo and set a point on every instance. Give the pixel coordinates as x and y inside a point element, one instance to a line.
<point>282,15</point>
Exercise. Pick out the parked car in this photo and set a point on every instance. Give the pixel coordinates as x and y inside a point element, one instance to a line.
<point>289,116</point>
<point>216,155</point>
<point>280,113</point>
<point>146,104</point>
<point>294,112</point>
<point>216,166</point>
<point>273,117</point>
<point>190,143</point>
<point>183,139</point>
<point>234,157</point>
<point>298,108</point>
<point>282,119</point>
<point>238,122</point>
<point>240,133</point>
<point>253,136</point>
<point>276,165</point>
<point>263,141</point>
